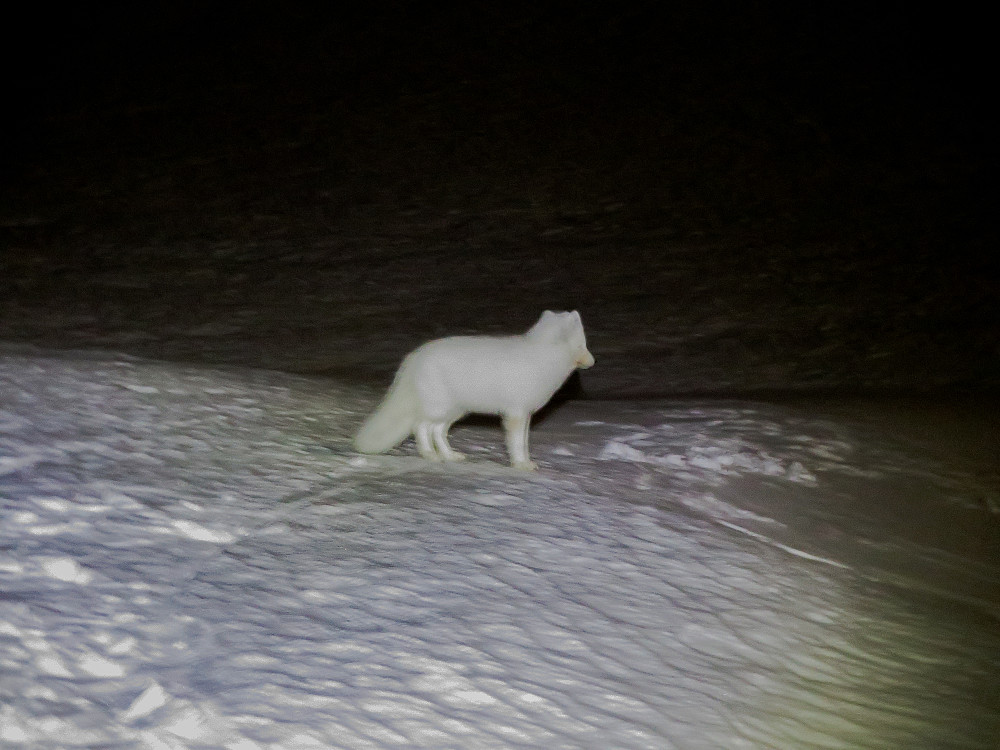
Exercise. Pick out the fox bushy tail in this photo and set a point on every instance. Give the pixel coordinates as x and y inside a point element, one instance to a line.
<point>393,420</point>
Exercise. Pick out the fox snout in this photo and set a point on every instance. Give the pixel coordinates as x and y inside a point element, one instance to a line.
<point>584,360</point>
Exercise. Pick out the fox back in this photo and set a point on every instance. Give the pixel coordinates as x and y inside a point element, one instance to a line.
<point>497,375</point>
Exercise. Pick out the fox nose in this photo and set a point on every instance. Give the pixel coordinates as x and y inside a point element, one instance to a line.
<point>584,360</point>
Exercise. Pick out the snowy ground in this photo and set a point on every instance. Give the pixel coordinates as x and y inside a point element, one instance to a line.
<point>192,557</point>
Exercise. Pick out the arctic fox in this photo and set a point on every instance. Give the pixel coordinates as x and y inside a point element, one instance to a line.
<point>445,379</point>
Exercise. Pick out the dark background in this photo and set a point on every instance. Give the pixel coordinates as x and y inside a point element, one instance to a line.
<point>739,198</point>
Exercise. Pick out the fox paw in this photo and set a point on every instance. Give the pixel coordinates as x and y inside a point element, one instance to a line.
<point>525,465</point>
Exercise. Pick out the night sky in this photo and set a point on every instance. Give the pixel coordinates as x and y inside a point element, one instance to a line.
<point>743,128</point>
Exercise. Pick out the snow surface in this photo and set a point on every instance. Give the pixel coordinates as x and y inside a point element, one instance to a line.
<point>191,557</point>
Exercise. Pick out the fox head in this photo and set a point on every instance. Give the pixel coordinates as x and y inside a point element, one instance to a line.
<point>566,329</point>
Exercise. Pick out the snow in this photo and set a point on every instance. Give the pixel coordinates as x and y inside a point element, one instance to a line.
<point>191,556</point>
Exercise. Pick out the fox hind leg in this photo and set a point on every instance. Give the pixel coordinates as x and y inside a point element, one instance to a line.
<point>439,432</point>
<point>423,433</point>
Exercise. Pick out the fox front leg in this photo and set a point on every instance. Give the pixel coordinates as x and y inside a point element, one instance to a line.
<point>517,426</point>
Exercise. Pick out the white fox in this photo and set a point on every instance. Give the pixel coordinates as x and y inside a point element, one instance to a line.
<point>445,379</point>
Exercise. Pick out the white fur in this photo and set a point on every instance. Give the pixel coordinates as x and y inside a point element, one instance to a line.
<point>445,379</point>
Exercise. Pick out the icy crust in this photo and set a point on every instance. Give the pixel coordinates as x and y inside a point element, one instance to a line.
<point>191,558</point>
<point>713,443</point>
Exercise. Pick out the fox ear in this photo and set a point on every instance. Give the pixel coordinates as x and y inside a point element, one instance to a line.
<point>546,322</point>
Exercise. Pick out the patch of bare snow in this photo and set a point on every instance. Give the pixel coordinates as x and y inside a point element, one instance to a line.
<point>192,557</point>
